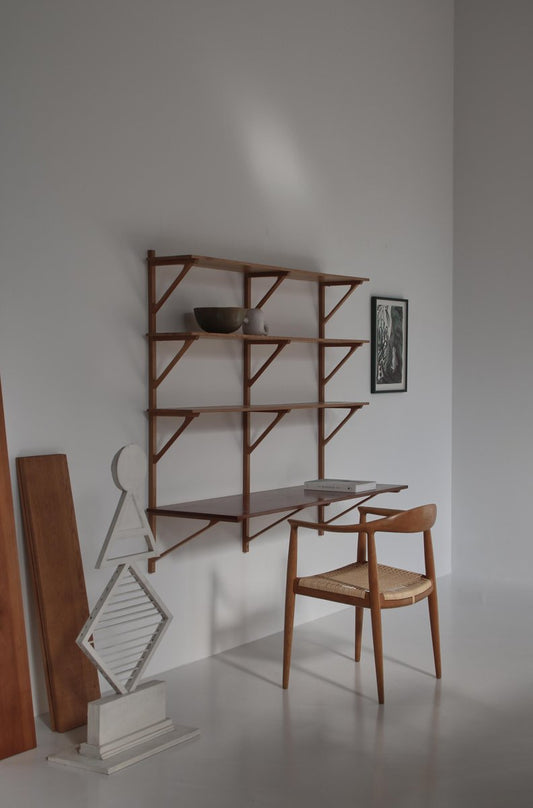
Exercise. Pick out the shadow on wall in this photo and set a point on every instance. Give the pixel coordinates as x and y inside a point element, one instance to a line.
<point>232,624</point>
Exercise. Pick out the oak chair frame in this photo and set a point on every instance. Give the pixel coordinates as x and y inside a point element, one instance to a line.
<point>415,520</point>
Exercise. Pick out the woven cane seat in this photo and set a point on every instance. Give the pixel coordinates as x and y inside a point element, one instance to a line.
<point>352,580</point>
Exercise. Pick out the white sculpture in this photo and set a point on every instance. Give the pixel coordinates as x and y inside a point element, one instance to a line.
<point>120,637</point>
<point>129,524</point>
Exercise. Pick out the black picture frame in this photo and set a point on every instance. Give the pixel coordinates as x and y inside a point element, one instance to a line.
<point>389,343</point>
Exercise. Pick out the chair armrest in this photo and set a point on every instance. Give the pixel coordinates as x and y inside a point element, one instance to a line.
<point>363,509</point>
<point>329,528</point>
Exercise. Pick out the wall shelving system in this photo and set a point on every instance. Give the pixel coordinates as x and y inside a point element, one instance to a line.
<point>243,506</point>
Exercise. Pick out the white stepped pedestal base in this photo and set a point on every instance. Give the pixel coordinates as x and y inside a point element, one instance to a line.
<point>124,729</point>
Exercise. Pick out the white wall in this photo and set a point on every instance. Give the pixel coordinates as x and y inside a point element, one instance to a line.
<point>301,132</point>
<point>493,291</point>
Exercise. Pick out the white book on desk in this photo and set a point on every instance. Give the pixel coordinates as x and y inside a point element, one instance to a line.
<point>334,484</point>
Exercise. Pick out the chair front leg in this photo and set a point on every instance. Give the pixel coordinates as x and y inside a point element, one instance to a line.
<point>375,613</point>
<point>432,601</point>
<point>290,598</point>
<point>435,633</point>
<point>359,614</point>
<point>359,611</point>
<point>377,640</point>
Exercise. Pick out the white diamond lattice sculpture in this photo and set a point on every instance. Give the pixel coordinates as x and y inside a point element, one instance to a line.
<point>124,628</point>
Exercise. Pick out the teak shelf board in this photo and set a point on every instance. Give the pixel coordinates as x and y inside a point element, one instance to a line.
<point>223,408</point>
<point>171,336</point>
<point>248,268</point>
<point>238,507</point>
<point>57,571</point>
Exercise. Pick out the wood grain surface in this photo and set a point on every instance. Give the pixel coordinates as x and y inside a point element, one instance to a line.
<point>17,726</point>
<point>53,545</point>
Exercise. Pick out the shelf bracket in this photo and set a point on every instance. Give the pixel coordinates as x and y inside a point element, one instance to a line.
<point>153,561</point>
<point>339,426</point>
<point>279,276</point>
<point>175,283</point>
<point>338,366</point>
<point>183,426</point>
<point>187,342</point>
<point>269,428</point>
<point>351,508</point>
<point>247,538</point>
<point>352,287</point>
<point>280,345</point>
<point>273,524</point>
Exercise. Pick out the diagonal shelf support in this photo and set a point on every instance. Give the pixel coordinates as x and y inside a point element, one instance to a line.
<point>280,346</point>
<point>249,538</point>
<point>173,362</point>
<point>153,561</point>
<point>279,276</point>
<point>175,283</point>
<point>183,426</point>
<point>269,428</point>
<point>339,426</point>
<point>338,366</point>
<point>273,524</point>
<point>352,287</point>
<point>351,508</point>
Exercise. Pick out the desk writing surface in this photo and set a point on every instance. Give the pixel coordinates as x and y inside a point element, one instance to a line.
<point>238,507</point>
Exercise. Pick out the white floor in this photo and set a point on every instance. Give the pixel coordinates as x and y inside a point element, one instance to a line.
<point>465,741</point>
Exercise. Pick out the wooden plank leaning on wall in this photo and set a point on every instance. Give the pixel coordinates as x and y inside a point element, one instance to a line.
<point>17,725</point>
<point>53,545</point>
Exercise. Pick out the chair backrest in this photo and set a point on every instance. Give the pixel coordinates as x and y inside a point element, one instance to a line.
<point>415,520</point>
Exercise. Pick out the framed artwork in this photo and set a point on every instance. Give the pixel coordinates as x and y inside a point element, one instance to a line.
<point>389,345</point>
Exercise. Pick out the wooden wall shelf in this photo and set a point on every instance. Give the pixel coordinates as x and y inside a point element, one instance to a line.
<point>242,507</point>
<point>225,408</point>
<point>247,268</point>
<point>237,507</point>
<point>169,336</point>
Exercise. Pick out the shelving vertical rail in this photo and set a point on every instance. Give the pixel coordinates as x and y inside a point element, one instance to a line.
<point>324,317</point>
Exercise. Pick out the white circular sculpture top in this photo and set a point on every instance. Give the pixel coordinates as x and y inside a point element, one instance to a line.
<point>129,467</point>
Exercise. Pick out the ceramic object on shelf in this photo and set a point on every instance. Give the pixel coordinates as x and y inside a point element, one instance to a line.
<point>254,322</point>
<point>220,319</point>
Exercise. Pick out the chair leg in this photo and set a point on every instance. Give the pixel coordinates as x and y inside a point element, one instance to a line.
<point>359,613</point>
<point>435,634</point>
<point>289,603</point>
<point>287,636</point>
<point>375,613</point>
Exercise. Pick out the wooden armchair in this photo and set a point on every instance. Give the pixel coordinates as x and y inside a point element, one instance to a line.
<point>366,584</point>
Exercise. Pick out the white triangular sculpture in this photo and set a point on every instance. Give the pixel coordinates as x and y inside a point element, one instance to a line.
<point>130,525</point>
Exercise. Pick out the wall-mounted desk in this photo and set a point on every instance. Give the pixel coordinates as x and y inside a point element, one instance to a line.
<point>240,507</point>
